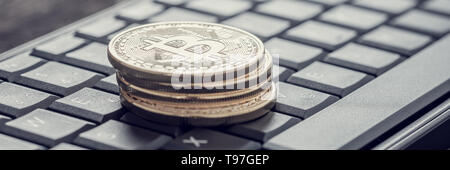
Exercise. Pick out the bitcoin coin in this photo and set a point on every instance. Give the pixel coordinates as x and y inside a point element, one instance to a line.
<point>179,96</point>
<point>157,51</point>
<point>244,81</point>
<point>211,114</point>
<point>193,73</point>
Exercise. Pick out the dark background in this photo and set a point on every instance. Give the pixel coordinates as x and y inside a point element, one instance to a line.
<point>23,20</point>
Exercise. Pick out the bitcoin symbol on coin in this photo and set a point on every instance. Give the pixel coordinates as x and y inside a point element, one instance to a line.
<point>187,50</point>
<point>160,49</point>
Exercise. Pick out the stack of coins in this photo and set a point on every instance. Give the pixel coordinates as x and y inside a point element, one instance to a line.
<point>193,73</point>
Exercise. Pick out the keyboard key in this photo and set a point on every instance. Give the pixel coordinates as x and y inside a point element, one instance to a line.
<point>99,29</point>
<point>204,139</point>
<point>363,116</point>
<point>90,104</point>
<point>354,17</point>
<point>11,143</point>
<point>11,68</point>
<point>59,78</point>
<point>422,21</point>
<point>320,34</point>
<point>330,2</point>
<point>301,102</point>
<point>46,127</point>
<point>291,54</point>
<point>67,146</point>
<point>293,10</point>
<point>363,58</point>
<point>172,2</point>
<point>140,11</point>
<point>92,57</point>
<point>16,100</point>
<point>262,26</point>
<point>328,78</point>
<point>264,128</point>
<point>401,41</point>
<point>133,119</point>
<point>179,14</point>
<point>108,84</point>
<point>390,6</point>
<point>440,6</point>
<point>114,135</point>
<point>281,73</point>
<point>220,7</point>
<point>55,49</point>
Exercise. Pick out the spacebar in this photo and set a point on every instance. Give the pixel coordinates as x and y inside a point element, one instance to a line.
<point>368,112</point>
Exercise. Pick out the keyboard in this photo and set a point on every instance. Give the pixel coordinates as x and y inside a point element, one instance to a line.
<point>348,70</point>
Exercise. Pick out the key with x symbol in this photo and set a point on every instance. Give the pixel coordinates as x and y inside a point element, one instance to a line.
<point>196,142</point>
<point>206,139</point>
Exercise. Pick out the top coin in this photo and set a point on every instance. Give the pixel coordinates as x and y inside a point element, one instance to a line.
<point>160,50</point>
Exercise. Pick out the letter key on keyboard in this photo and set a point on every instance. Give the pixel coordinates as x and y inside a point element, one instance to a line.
<point>398,40</point>
<point>363,58</point>
<point>140,11</point>
<point>55,48</point>
<point>329,78</point>
<point>16,100</point>
<point>354,17</point>
<point>320,34</point>
<point>118,135</point>
<point>301,102</point>
<point>422,21</point>
<point>11,69</point>
<point>90,104</point>
<point>92,57</point>
<point>11,143</point>
<point>260,25</point>
<point>46,127</point>
<point>99,29</point>
<point>291,54</point>
<point>440,6</point>
<point>59,78</point>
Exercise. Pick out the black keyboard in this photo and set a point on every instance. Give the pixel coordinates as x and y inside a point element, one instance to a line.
<point>349,70</point>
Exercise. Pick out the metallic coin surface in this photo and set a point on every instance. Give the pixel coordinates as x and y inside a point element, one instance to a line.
<point>157,51</point>
<point>241,82</point>
<point>210,114</point>
<point>179,96</point>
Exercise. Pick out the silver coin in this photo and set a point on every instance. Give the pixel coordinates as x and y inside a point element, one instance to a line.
<point>157,51</point>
